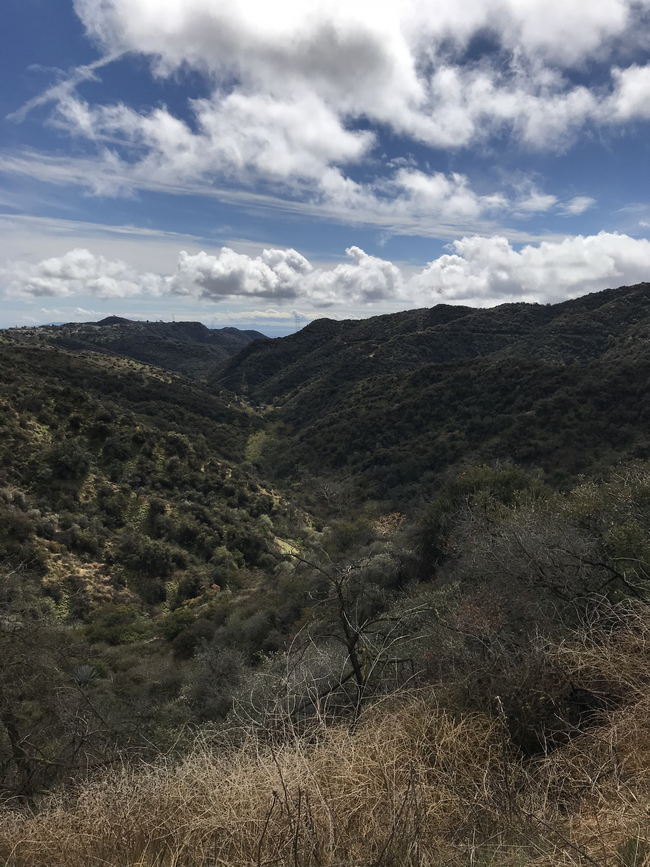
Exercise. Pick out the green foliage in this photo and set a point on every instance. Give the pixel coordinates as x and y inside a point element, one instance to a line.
<point>345,535</point>
<point>152,558</point>
<point>503,485</point>
<point>218,674</point>
<point>255,446</point>
<point>175,622</point>
<point>181,582</point>
<point>393,402</point>
<point>145,487</point>
<point>117,624</point>
<point>18,537</point>
<point>188,640</point>
<point>67,461</point>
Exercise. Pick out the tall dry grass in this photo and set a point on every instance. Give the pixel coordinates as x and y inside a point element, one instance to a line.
<point>411,785</point>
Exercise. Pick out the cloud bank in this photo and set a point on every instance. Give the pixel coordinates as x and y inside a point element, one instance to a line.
<point>78,272</point>
<point>478,269</point>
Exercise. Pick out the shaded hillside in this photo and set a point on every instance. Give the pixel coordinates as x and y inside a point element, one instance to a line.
<point>189,348</point>
<point>395,400</point>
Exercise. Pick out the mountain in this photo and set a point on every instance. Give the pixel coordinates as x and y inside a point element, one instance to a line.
<point>167,607</point>
<point>189,348</point>
<point>394,401</point>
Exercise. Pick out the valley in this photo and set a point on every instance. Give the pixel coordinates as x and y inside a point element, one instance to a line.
<point>286,541</point>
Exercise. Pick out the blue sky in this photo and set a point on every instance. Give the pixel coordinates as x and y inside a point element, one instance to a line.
<point>244,162</point>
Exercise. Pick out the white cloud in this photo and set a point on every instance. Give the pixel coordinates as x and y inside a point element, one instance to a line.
<point>450,195</point>
<point>484,270</point>
<point>65,87</point>
<point>279,275</point>
<point>392,206</point>
<point>78,272</point>
<point>536,202</point>
<point>481,270</point>
<point>343,41</point>
<point>268,313</point>
<point>365,280</point>
<point>285,275</point>
<point>295,85</point>
<point>274,274</point>
<point>468,103</point>
<point>577,205</point>
<point>236,134</point>
<point>75,312</point>
<point>631,97</point>
<point>408,201</point>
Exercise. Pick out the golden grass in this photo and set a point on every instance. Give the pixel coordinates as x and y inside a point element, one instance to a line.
<point>411,785</point>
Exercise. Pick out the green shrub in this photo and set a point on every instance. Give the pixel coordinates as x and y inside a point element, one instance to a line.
<point>117,624</point>
<point>68,460</point>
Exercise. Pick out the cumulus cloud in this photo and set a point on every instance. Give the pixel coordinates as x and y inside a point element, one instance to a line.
<point>478,269</point>
<point>274,274</point>
<point>235,134</point>
<point>488,269</point>
<point>285,275</point>
<point>631,97</point>
<point>366,279</point>
<point>78,272</point>
<point>297,88</point>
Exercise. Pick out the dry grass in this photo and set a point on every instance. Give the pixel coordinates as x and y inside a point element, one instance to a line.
<point>412,785</point>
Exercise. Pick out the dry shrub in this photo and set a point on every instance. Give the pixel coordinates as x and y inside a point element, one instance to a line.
<point>410,785</point>
<point>409,779</point>
<point>598,785</point>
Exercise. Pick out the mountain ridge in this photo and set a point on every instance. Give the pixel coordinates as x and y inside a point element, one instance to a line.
<point>189,348</point>
<point>439,334</point>
<point>393,401</point>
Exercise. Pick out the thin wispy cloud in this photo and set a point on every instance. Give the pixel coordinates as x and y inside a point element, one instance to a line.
<point>408,202</point>
<point>64,89</point>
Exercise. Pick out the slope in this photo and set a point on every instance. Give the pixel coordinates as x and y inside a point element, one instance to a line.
<point>391,402</point>
<point>122,483</point>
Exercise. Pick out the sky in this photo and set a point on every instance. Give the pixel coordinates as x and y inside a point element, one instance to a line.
<point>260,165</point>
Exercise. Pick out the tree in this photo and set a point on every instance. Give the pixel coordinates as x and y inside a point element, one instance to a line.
<point>50,725</point>
<point>351,613</point>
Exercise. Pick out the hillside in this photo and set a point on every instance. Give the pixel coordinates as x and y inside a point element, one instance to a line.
<point>189,348</point>
<point>383,619</point>
<point>127,519</point>
<point>393,401</point>
<point>115,476</point>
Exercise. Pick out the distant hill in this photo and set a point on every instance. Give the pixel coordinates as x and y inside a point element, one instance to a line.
<point>189,348</point>
<point>393,401</point>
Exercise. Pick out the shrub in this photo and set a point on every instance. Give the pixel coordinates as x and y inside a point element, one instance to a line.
<point>116,624</point>
<point>68,461</point>
<point>152,558</point>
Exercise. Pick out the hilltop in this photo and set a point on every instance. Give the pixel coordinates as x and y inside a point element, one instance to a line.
<point>190,348</point>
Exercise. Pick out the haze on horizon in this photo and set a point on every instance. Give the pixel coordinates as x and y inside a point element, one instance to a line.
<point>241,164</point>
